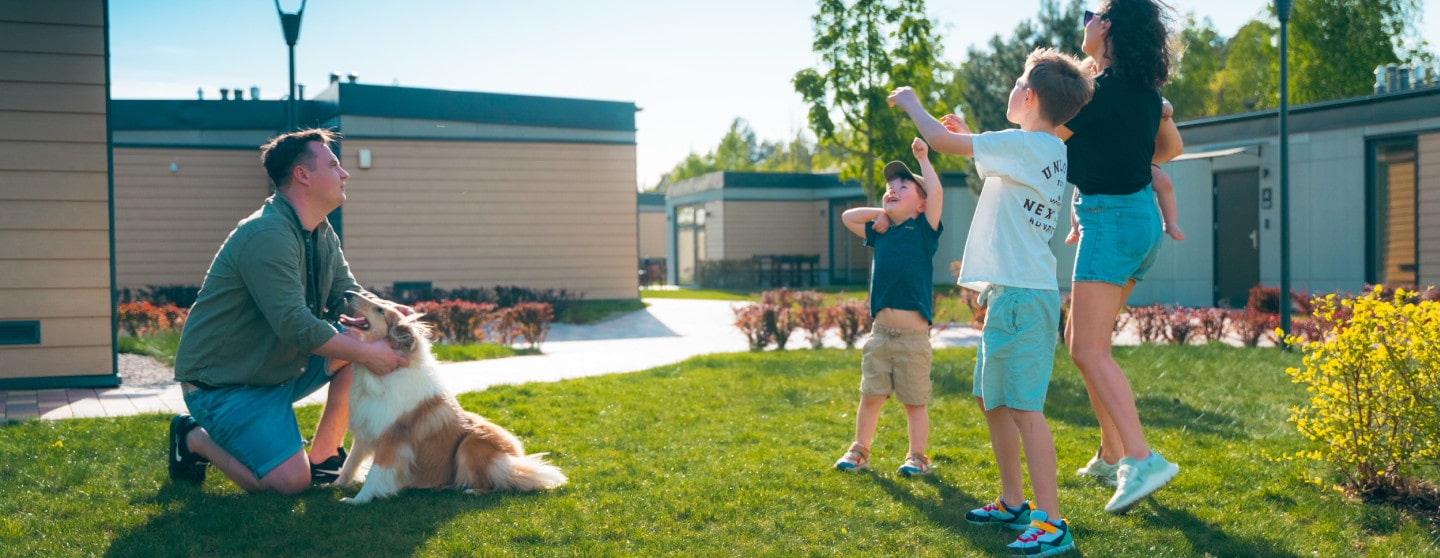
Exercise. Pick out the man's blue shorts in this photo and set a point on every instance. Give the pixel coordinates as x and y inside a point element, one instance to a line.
<point>1119,236</point>
<point>256,424</point>
<point>1017,347</point>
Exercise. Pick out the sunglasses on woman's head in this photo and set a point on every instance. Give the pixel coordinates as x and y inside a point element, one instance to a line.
<point>1089,15</point>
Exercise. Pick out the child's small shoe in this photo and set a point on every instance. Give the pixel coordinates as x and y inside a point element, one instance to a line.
<point>857,458</point>
<point>916,464</point>
<point>997,513</point>
<point>1043,537</point>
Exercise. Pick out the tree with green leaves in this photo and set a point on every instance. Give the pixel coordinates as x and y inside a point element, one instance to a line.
<point>1189,90</point>
<point>1250,78</point>
<point>1336,44</point>
<point>989,73</point>
<point>867,48</point>
<point>1334,48</point>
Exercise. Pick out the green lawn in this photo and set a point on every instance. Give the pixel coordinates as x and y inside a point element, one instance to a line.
<point>477,351</point>
<point>949,310</point>
<point>729,455</point>
<point>161,346</point>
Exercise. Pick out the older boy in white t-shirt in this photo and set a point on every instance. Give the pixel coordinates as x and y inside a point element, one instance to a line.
<point>1008,259</point>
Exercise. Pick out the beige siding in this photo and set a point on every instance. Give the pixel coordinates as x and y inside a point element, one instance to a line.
<point>652,235</point>
<point>772,227</point>
<point>168,225</point>
<point>481,214</point>
<point>54,215</point>
<point>1400,226</point>
<point>1428,157</point>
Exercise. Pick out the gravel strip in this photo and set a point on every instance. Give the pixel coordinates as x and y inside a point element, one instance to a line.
<point>140,370</point>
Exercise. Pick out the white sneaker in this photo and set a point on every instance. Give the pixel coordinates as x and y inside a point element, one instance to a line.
<point>1102,472</point>
<point>1139,478</point>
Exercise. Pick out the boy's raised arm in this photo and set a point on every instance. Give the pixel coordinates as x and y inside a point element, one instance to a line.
<point>941,138</point>
<point>855,218</point>
<point>934,192</point>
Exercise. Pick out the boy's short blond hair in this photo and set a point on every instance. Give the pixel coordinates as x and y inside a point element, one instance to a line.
<point>1057,80</point>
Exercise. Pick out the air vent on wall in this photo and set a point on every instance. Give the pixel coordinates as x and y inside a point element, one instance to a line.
<point>20,333</point>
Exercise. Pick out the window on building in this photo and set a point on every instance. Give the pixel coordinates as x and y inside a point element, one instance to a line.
<point>689,241</point>
<point>1392,249</point>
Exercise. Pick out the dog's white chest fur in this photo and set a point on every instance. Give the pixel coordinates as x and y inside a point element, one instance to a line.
<point>376,402</point>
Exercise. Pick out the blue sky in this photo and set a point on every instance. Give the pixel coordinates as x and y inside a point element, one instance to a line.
<point>691,66</point>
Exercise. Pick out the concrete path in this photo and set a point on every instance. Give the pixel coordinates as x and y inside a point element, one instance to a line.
<point>667,331</point>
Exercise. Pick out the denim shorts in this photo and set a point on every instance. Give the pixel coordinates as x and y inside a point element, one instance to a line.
<point>1119,236</point>
<point>256,424</point>
<point>897,361</point>
<point>1017,348</point>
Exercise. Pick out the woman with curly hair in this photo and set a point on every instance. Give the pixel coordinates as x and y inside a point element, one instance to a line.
<point>1112,145</point>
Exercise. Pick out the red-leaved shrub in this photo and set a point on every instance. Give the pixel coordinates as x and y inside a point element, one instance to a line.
<point>139,319</point>
<point>810,315</point>
<point>1250,325</point>
<point>852,319</point>
<point>532,320</point>
<point>750,318</point>
<point>458,321</point>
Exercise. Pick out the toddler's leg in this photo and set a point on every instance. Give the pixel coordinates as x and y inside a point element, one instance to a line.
<point>1165,196</point>
<point>917,418</point>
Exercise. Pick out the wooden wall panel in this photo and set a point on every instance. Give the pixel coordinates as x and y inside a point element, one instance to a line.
<point>481,214</point>
<point>54,188</point>
<point>168,225</point>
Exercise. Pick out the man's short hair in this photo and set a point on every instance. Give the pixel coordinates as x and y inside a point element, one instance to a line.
<point>1057,80</point>
<point>285,151</point>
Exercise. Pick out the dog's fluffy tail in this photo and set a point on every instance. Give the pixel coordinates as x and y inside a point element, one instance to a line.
<point>524,473</point>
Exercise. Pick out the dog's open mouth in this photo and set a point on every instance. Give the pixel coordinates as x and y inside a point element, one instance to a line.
<point>360,323</point>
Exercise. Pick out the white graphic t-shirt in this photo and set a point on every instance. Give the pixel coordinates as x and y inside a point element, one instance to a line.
<point>1009,241</point>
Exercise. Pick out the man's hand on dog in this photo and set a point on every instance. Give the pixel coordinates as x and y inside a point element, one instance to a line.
<point>380,359</point>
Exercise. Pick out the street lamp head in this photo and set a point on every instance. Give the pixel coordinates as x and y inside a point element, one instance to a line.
<point>1282,10</point>
<point>290,23</point>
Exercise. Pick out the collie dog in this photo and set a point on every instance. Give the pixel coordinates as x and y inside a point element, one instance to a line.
<point>414,429</point>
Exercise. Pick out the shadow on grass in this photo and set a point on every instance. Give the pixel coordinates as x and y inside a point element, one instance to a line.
<point>194,523</point>
<point>949,514</point>
<point>1068,402</point>
<point>1209,539</point>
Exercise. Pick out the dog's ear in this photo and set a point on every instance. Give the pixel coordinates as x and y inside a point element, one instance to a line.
<point>403,337</point>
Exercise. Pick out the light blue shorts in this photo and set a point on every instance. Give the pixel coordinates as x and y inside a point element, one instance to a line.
<point>1119,236</point>
<point>1017,348</point>
<point>256,424</point>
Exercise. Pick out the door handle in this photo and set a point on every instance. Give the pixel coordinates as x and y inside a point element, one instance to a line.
<point>1255,239</point>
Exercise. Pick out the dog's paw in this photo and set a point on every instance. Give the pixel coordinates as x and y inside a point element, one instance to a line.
<point>355,501</point>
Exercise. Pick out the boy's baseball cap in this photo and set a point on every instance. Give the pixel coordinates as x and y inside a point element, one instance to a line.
<point>897,169</point>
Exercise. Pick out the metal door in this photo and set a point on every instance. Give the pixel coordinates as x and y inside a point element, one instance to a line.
<point>1237,236</point>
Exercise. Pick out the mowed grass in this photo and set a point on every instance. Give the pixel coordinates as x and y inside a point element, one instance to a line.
<point>730,455</point>
<point>948,309</point>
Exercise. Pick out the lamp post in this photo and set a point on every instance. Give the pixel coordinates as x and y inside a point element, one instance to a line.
<point>1282,10</point>
<point>290,24</point>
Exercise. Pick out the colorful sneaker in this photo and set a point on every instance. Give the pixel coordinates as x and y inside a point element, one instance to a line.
<point>185,465</point>
<point>327,471</point>
<point>1043,538</point>
<point>916,464</point>
<point>997,513</point>
<point>857,458</point>
<point>1139,478</point>
<point>1102,472</point>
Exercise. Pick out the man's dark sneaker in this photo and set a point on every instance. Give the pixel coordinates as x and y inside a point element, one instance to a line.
<point>325,472</point>
<point>185,465</point>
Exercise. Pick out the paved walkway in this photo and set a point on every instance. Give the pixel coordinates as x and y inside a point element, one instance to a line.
<point>667,331</point>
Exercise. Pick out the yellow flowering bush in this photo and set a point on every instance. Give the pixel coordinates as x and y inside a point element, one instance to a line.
<point>1374,385</point>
